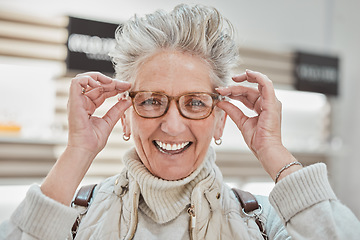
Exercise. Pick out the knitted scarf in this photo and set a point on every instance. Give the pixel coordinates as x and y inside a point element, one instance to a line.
<point>164,200</point>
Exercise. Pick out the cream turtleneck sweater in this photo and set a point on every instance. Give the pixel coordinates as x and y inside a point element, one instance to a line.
<point>163,200</point>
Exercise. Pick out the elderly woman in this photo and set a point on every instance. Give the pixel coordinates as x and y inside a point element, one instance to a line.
<point>173,70</point>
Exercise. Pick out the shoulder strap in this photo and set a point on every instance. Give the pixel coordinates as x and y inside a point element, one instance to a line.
<point>84,195</point>
<point>249,204</point>
<point>247,201</point>
<point>82,198</point>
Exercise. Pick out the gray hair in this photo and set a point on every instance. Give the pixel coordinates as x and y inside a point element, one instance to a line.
<point>198,30</point>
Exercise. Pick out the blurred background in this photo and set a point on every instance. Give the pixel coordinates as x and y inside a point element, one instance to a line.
<point>310,49</point>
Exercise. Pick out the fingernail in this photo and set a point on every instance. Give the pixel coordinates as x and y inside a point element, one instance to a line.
<point>221,88</point>
<point>238,75</point>
<point>123,96</point>
<point>248,70</point>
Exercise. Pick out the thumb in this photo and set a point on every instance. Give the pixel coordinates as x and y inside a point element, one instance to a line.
<point>238,117</point>
<point>115,112</point>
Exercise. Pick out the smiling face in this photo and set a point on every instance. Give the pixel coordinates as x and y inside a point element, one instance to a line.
<point>172,147</point>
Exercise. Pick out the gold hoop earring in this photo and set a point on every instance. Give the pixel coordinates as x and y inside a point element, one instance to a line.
<point>218,141</point>
<point>126,138</point>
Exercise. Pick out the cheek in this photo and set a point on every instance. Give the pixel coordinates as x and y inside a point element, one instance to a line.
<point>204,130</point>
<point>141,128</point>
<point>135,128</point>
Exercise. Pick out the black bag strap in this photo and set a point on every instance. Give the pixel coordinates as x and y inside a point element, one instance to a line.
<point>249,204</point>
<point>82,198</point>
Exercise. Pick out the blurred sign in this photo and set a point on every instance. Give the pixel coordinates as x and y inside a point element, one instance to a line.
<point>317,73</point>
<point>89,44</point>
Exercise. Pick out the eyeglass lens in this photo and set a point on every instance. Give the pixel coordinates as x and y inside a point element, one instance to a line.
<point>193,105</point>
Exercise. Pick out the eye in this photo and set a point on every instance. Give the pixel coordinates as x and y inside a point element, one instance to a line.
<point>195,103</point>
<point>151,102</point>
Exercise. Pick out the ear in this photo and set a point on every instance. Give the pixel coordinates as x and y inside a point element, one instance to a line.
<point>125,122</point>
<point>220,124</point>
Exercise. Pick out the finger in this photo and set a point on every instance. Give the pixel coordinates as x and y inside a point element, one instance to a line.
<point>107,90</point>
<point>265,87</point>
<point>116,111</point>
<point>238,90</point>
<point>234,113</point>
<point>121,85</point>
<point>117,85</point>
<point>102,97</point>
<point>77,105</point>
<point>240,77</point>
<point>76,100</point>
<point>106,82</point>
<point>258,105</point>
<point>97,76</point>
<point>247,95</point>
<point>94,93</point>
<point>100,93</point>
<point>79,83</point>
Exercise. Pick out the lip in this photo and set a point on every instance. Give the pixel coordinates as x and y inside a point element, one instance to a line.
<point>176,148</point>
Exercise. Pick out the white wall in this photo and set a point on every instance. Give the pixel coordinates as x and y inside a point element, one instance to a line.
<point>315,25</point>
<point>346,114</point>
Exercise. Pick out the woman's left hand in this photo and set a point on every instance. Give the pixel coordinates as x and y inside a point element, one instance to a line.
<point>262,133</point>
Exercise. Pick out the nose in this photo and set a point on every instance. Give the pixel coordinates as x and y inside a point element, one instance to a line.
<point>173,123</point>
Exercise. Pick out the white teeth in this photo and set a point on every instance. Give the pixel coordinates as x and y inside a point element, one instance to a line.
<point>171,147</point>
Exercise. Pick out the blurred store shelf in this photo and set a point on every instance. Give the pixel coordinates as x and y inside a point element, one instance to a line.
<point>36,33</point>
<point>25,158</point>
<point>28,18</point>
<point>278,65</point>
<point>29,36</point>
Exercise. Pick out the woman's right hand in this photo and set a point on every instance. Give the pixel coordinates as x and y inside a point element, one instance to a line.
<point>87,92</point>
<point>87,134</point>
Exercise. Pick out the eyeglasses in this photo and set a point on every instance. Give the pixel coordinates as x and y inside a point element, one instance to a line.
<point>194,105</point>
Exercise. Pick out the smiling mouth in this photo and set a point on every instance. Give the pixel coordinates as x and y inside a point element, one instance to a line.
<point>168,148</point>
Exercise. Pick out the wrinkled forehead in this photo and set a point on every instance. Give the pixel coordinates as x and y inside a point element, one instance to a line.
<point>174,73</point>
